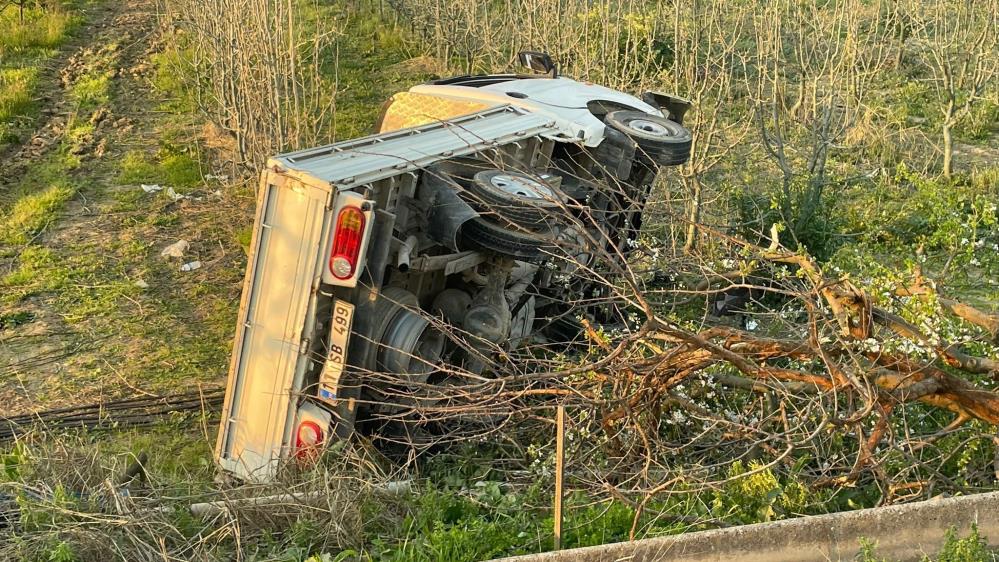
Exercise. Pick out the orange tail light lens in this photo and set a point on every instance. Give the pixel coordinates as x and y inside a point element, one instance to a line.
<point>347,238</point>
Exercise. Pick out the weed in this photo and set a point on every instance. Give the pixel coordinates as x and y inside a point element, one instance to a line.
<point>16,85</point>
<point>868,551</point>
<point>244,237</point>
<point>756,494</point>
<point>78,134</point>
<point>15,319</point>
<point>972,548</point>
<point>596,524</point>
<point>62,552</point>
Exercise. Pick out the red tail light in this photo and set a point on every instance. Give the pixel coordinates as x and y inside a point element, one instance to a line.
<point>308,439</point>
<point>347,239</point>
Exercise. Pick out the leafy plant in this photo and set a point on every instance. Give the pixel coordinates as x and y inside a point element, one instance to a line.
<point>972,548</point>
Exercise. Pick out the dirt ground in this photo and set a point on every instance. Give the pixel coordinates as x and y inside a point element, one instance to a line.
<point>90,308</point>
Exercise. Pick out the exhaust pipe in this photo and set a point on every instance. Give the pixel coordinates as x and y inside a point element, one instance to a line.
<point>406,253</point>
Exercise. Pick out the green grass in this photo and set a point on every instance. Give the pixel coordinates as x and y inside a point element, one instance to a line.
<point>99,283</point>
<point>169,168</point>
<point>24,48</point>
<point>369,71</point>
<point>16,88</point>
<point>91,90</point>
<point>37,270</point>
<point>173,333</point>
<point>42,29</point>
<point>180,170</point>
<point>16,85</point>
<point>33,212</point>
<point>136,167</point>
<point>86,284</point>
<point>171,66</point>
<point>83,278</point>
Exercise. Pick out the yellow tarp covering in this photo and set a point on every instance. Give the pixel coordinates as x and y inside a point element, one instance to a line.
<point>407,109</point>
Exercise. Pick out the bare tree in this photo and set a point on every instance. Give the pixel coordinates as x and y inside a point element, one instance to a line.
<point>257,71</point>
<point>959,44</point>
<point>706,66</point>
<point>814,67</point>
<point>613,43</point>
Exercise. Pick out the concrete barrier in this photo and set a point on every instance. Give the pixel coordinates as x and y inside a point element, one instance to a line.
<point>902,532</point>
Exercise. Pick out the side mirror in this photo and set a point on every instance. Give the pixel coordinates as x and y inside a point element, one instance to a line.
<point>538,62</point>
<point>674,106</point>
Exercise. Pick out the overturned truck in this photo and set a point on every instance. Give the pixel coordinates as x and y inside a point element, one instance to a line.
<point>369,255</point>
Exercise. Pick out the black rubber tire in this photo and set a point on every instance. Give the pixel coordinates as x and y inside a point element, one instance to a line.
<point>481,234</point>
<point>533,213</point>
<point>666,142</point>
<point>395,304</point>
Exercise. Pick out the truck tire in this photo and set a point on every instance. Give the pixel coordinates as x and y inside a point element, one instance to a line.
<point>666,142</point>
<point>482,234</point>
<point>389,303</point>
<point>515,197</point>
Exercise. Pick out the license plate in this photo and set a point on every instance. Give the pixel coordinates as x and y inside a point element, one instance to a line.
<point>336,358</point>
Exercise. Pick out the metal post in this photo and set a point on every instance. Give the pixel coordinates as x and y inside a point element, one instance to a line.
<point>559,469</point>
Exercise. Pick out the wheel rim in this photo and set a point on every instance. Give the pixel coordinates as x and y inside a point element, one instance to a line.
<point>649,127</point>
<point>523,187</point>
<point>411,347</point>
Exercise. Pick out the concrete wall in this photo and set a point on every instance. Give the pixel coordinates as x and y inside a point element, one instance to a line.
<point>903,532</point>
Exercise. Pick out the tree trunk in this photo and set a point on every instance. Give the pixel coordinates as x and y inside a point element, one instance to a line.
<point>693,214</point>
<point>948,134</point>
<point>948,149</point>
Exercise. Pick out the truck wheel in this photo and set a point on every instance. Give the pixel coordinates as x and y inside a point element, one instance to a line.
<point>516,197</point>
<point>667,142</point>
<point>408,345</point>
<point>403,342</point>
<point>412,347</point>
<point>406,350</point>
<point>481,234</point>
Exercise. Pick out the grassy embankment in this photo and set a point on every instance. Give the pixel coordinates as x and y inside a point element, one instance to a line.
<point>81,240</point>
